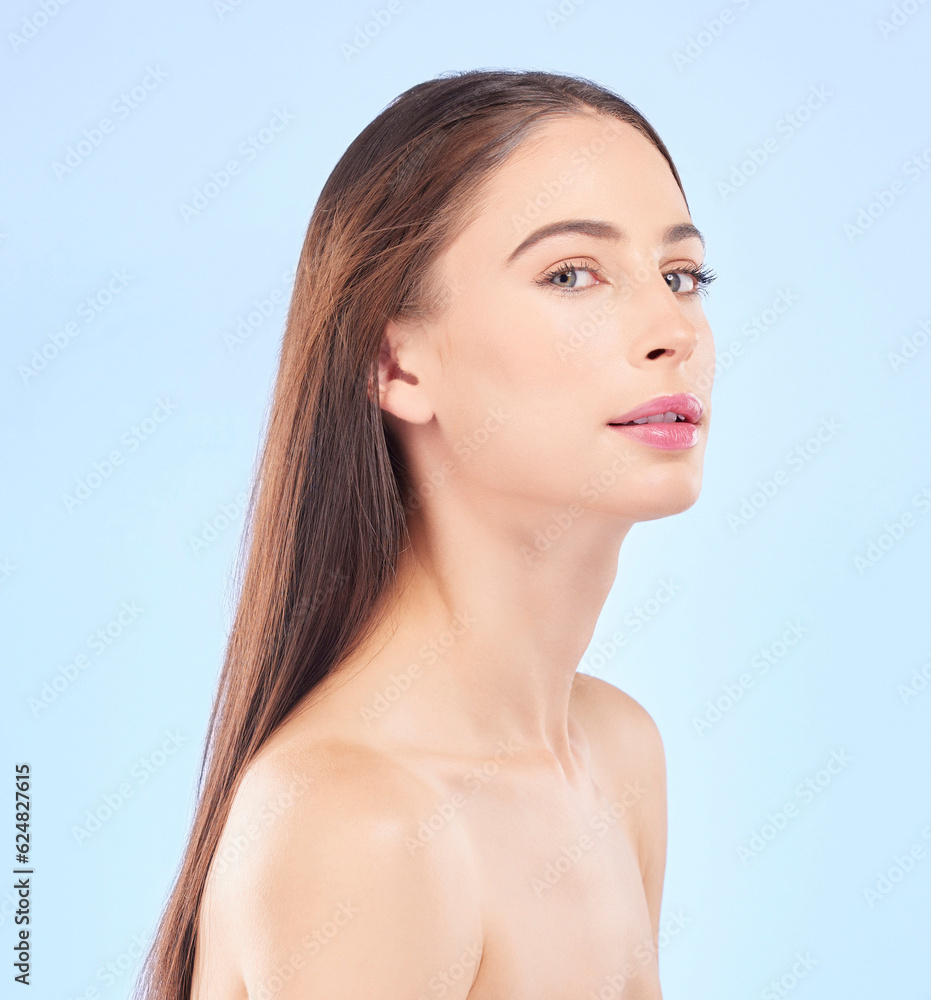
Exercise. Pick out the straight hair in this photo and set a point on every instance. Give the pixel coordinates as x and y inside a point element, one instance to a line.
<point>327,517</point>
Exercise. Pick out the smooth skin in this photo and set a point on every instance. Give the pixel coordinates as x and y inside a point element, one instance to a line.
<point>456,811</point>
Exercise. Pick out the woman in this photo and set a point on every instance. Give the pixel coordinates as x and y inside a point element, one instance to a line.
<point>491,370</point>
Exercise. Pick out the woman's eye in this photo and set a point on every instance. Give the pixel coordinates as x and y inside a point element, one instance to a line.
<point>676,280</point>
<point>568,278</point>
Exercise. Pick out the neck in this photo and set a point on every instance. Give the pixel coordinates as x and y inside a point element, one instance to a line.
<point>491,618</point>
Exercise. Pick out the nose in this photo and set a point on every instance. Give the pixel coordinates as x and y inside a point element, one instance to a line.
<point>663,331</point>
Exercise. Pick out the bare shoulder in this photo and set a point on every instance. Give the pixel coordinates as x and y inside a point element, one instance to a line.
<point>627,746</point>
<point>615,721</point>
<point>320,872</point>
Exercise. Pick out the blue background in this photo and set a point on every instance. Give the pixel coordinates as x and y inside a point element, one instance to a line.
<point>833,218</point>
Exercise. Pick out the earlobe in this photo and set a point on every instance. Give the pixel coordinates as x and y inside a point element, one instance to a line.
<point>399,391</point>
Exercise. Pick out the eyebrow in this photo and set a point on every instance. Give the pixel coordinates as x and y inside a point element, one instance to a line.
<point>602,231</point>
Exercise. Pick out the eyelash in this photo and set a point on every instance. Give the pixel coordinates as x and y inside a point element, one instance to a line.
<point>703,277</point>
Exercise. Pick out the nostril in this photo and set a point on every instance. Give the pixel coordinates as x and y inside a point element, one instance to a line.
<point>658,353</point>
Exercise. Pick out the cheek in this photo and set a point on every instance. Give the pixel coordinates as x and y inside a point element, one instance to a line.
<point>507,350</point>
<point>704,361</point>
<point>511,402</point>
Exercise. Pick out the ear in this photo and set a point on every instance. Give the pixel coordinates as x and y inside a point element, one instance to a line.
<point>400,392</point>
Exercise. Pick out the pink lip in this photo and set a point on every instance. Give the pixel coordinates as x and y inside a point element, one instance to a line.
<point>672,437</point>
<point>683,402</point>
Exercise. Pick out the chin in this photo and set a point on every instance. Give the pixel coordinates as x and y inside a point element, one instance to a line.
<point>660,492</point>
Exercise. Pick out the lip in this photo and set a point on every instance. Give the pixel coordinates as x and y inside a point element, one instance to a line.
<point>669,437</point>
<point>686,403</point>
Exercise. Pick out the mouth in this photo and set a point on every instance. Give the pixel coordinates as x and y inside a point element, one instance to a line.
<point>667,422</point>
<point>684,407</point>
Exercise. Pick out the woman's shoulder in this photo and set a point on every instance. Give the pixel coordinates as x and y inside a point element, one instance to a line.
<point>613,716</point>
<point>628,754</point>
<point>628,750</point>
<point>321,834</point>
<point>340,795</point>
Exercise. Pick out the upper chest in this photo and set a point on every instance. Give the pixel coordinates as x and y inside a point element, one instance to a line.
<point>564,912</point>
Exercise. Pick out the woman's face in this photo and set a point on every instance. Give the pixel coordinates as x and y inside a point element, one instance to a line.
<point>546,340</point>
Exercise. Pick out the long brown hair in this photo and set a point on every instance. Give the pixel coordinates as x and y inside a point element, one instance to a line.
<point>327,515</point>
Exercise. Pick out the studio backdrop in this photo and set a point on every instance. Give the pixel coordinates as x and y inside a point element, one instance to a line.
<point>162,162</point>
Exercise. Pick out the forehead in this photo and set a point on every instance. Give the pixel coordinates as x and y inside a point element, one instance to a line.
<point>579,166</point>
